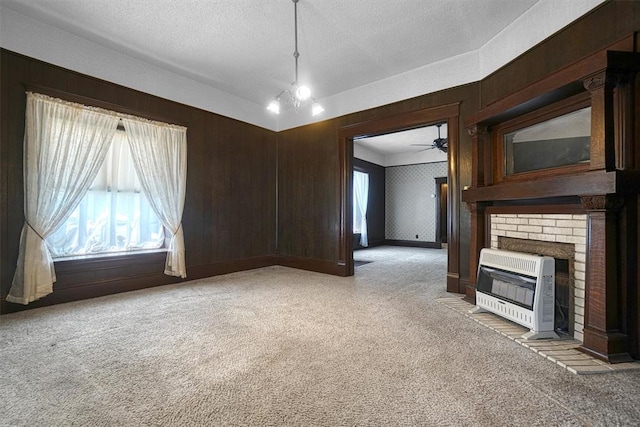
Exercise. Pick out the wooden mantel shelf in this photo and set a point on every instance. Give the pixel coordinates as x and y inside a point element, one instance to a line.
<point>593,182</point>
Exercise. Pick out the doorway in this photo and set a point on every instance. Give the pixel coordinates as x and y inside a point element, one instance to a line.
<point>442,209</point>
<point>403,208</point>
<point>448,114</point>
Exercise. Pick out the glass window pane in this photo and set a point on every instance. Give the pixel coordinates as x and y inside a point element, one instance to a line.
<point>114,215</point>
<point>561,141</point>
<point>357,213</point>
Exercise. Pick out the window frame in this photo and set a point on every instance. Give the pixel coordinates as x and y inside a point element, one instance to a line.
<point>566,106</point>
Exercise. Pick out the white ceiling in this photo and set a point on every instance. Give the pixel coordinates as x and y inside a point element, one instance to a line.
<point>408,141</point>
<point>243,48</point>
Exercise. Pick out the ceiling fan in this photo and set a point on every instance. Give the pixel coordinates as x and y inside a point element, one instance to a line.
<point>439,143</point>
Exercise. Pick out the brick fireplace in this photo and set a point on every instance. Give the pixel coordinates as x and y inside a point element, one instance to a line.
<point>533,233</point>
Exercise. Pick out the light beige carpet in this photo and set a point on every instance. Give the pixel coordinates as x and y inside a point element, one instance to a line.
<point>278,346</point>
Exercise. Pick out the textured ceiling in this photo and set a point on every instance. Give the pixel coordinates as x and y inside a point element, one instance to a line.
<point>404,141</point>
<point>244,47</point>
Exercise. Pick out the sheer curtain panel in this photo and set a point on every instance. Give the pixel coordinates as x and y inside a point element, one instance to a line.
<point>64,147</point>
<point>360,201</point>
<point>114,216</point>
<point>159,153</point>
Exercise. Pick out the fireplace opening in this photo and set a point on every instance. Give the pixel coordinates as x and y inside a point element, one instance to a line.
<point>564,255</point>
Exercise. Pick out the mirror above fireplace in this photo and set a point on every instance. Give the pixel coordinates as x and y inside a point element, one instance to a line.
<point>557,142</point>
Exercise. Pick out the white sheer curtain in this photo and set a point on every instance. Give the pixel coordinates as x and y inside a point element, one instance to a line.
<point>114,215</point>
<point>160,156</point>
<point>64,147</point>
<point>360,201</point>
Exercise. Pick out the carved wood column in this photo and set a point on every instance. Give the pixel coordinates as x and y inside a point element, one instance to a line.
<point>482,156</point>
<point>603,323</point>
<point>478,221</point>
<point>624,122</point>
<point>612,119</point>
<point>482,176</point>
<point>602,87</point>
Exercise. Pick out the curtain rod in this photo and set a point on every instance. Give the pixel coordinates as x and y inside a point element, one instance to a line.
<point>92,102</point>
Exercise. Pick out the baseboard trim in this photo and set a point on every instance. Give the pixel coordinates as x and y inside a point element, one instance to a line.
<point>463,285</point>
<point>413,244</point>
<point>226,267</point>
<point>453,283</point>
<point>67,292</point>
<point>95,289</point>
<point>470,294</point>
<point>371,244</point>
<point>309,264</point>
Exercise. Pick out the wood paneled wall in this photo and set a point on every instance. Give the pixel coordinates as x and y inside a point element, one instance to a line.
<point>598,29</point>
<point>307,169</point>
<point>229,215</point>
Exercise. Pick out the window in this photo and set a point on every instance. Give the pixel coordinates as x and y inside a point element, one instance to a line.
<point>65,147</point>
<point>360,201</point>
<point>357,218</point>
<point>114,215</point>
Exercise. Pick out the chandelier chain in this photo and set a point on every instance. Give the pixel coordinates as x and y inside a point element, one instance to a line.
<point>296,54</point>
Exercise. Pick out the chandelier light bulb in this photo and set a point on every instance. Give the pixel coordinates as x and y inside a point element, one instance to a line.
<point>274,106</point>
<point>316,109</point>
<point>303,93</point>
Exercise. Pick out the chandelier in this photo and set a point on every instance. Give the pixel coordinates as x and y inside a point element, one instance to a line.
<point>299,93</point>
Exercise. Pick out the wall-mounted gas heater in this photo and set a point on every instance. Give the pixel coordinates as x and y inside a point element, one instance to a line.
<point>519,287</point>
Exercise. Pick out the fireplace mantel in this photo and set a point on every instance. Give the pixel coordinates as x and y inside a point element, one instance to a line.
<point>605,187</point>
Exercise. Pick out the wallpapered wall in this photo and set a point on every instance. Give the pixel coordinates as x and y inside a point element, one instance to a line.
<point>409,207</point>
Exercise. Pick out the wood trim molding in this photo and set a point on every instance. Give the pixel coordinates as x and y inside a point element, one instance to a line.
<point>226,267</point>
<point>439,182</point>
<point>344,194</point>
<point>319,266</point>
<point>603,202</point>
<point>75,283</point>
<point>481,156</point>
<point>91,290</point>
<point>560,84</point>
<point>469,291</point>
<point>558,186</point>
<point>536,209</point>
<point>477,242</point>
<point>413,119</point>
<point>413,244</point>
<point>453,199</point>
